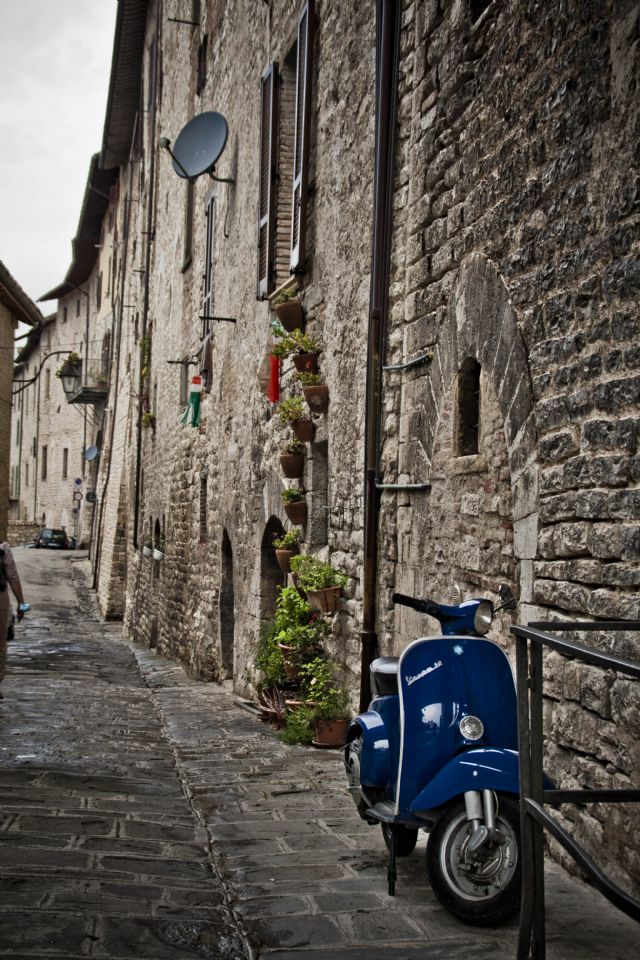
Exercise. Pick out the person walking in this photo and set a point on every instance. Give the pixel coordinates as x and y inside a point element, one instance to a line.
<point>8,578</point>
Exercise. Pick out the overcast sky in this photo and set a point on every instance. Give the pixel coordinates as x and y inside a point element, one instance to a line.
<point>55,59</point>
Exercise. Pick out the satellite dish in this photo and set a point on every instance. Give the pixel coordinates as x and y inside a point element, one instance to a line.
<point>199,145</point>
<point>91,453</point>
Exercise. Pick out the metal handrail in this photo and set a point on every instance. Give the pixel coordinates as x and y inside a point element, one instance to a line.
<point>533,818</point>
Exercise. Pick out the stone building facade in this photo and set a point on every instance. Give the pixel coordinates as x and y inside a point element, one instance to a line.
<point>15,307</point>
<point>515,263</point>
<point>513,295</point>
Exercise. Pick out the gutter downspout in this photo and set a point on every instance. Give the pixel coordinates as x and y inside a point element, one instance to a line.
<point>151,212</point>
<point>388,17</point>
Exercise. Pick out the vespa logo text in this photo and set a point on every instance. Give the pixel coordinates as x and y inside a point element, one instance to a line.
<point>419,676</point>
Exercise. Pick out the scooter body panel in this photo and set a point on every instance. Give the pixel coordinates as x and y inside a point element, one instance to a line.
<point>482,769</point>
<point>441,680</point>
<point>379,757</point>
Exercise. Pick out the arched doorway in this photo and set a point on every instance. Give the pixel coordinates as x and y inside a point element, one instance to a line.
<point>227,609</point>
<point>271,576</point>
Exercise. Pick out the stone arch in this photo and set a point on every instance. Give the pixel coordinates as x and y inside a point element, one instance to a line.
<point>227,609</point>
<point>481,323</point>
<point>271,576</point>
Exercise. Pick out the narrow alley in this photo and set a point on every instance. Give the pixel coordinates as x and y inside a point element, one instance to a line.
<point>144,814</point>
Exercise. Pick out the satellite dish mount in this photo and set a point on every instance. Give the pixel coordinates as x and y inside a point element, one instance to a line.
<point>198,147</point>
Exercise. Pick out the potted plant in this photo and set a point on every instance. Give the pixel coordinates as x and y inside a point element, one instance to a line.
<point>315,390</point>
<point>70,365</point>
<point>148,420</point>
<point>158,550</point>
<point>288,308</point>
<point>292,411</point>
<point>331,703</point>
<point>147,547</point>
<point>302,348</point>
<point>320,581</point>
<point>269,658</point>
<point>295,505</point>
<point>286,547</point>
<point>292,459</point>
<point>299,726</point>
<point>272,707</point>
<point>298,631</point>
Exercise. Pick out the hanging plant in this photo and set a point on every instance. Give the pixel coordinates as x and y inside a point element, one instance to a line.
<point>315,390</point>
<point>148,420</point>
<point>287,306</point>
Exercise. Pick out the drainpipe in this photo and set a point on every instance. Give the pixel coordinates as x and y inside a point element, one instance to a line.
<point>388,16</point>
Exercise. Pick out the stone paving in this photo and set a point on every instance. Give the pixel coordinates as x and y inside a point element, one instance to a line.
<point>145,814</point>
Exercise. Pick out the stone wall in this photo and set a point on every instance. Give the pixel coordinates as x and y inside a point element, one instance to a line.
<point>20,532</point>
<point>516,244</point>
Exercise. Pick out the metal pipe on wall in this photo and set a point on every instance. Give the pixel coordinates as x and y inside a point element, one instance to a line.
<point>388,18</point>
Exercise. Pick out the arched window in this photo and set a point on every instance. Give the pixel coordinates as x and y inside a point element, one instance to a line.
<point>271,576</point>
<point>468,423</point>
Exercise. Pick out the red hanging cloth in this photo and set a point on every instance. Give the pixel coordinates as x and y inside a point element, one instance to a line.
<point>274,379</point>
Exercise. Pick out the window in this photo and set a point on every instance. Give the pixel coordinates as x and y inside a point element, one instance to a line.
<point>188,226</point>
<point>468,408</point>
<point>47,384</point>
<point>99,291</point>
<point>201,78</point>
<point>65,463</point>
<point>207,297</point>
<point>284,161</point>
<point>44,463</point>
<point>78,307</point>
<point>64,314</point>
<point>26,474</point>
<point>203,505</point>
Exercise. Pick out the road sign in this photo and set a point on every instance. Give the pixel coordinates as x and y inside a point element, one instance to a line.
<point>78,481</point>
<point>77,496</point>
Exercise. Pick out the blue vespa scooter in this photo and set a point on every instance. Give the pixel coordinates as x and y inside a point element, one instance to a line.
<point>436,750</point>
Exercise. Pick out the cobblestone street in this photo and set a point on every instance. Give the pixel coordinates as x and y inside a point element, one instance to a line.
<point>144,814</point>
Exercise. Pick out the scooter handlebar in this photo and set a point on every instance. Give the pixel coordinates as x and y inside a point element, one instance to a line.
<point>423,606</point>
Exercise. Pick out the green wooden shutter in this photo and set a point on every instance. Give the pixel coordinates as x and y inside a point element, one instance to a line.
<point>266,202</point>
<point>301,148</point>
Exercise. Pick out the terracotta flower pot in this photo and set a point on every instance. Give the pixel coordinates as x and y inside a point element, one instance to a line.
<point>297,512</point>
<point>325,600</point>
<point>303,430</point>
<point>292,464</point>
<point>317,396</point>
<point>330,733</point>
<point>306,362</point>
<point>291,668</point>
<point>289,314</point>
<point>284,559</point>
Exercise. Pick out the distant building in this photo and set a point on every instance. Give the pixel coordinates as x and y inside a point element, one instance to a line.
<point>15,307</point>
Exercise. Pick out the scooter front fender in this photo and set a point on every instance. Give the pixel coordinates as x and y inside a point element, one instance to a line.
<point>482,769</point>
<point>376,754</point>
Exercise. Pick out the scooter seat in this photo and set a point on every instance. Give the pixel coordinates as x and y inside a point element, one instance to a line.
<point>384,676</point>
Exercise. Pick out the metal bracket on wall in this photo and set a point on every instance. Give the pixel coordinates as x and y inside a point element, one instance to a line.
<point>185,363</point>
<point>416,362</point>
<point>220,319</point>
<point>403,486</point>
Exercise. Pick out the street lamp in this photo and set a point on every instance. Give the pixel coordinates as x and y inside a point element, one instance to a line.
<point>70,378</point>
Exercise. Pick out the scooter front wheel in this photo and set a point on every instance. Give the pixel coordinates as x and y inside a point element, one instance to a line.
<point>406,838</point>
<point>481,887</point>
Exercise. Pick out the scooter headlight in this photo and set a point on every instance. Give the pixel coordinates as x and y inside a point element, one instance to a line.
<point>471,728</point>
<point>483,617</point>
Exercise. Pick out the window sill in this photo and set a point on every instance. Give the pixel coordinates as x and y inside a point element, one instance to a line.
<point>471,464</point>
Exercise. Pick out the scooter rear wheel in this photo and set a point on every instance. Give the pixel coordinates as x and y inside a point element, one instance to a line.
<point>483,889</point>
<point>406,838</point>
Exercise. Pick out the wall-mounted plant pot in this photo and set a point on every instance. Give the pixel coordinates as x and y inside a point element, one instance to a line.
<point>157,554</point>
<point>147,552</point>
<point>291,668</point>
<point>324,600</point>
<point>303,430</point>
<point>306,362</point>
<point>284,559</point>
<point>292,464</point>
<point>290,315</point>
<point>297,512</point>
<point>317,396</point>
<point>330,733</point>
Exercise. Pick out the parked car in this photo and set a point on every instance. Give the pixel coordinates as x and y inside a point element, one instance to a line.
<point>52,538</point>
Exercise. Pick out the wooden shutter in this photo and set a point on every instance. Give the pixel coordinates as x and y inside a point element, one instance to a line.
<point>301,147</point>
<point>207,297</point>
<point>266,202</point>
